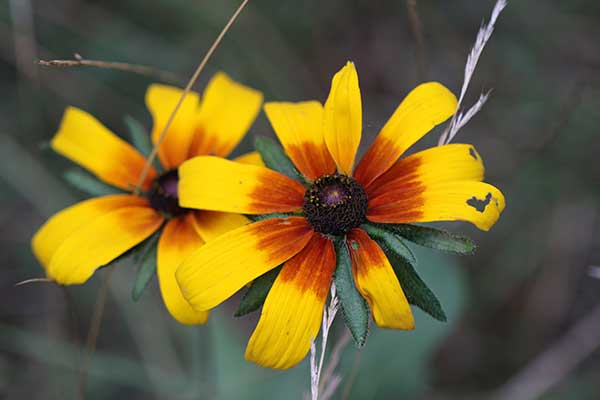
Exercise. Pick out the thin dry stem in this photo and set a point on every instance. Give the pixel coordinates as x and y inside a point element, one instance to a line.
<point>79,61</point>
<point>331,387</point>
<point>328,377</point>
<point>417,29</point>
<point>187,89</point>
<point>33,280</point>
<point>352,376</point>
<point>92,337</point>
<point>556,362</point>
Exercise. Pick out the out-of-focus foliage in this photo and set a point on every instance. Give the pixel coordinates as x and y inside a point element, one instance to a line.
<point>524,288</point>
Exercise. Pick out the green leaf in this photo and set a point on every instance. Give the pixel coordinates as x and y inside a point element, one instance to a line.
<point>353,306</point>
<point>262,217</point>
<point>257,293</point>
<point>139,136</point>
<point>391,240</point>
<point>433,238</point>
<point>145,257</point>
<point>88,183</point>
<point>275,158</point>
<point>416,291</point>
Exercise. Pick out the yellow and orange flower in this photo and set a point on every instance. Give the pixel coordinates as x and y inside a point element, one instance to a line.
<point>80,239</point>
<point>438,184</point>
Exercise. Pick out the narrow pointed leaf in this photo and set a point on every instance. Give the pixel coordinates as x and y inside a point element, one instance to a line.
<point>262,217</point>
<point>139,136</point>
<point>433,238</point>
<point>257,293</point>
<point>145,258</point>
<point>416,291</point>
<point>88,183</point>
<point>275,158</point>
<point>353,306</point>
<point>391,240</point>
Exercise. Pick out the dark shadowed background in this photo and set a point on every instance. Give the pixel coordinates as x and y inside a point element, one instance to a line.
<point>523,311</point>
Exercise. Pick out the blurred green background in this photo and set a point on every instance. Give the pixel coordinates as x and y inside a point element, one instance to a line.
<point>523,311</point>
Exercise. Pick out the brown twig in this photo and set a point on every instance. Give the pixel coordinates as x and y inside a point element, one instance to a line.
<point>145,70</point>
<point>92,337</point>
<point>187,89</point>
<point>417,30</point>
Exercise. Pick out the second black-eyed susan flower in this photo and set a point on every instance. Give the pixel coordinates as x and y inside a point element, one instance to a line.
<point>80,239</point>
<point>438,184</point>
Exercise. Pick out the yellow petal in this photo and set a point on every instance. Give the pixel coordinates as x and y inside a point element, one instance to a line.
<point>299,127</point>
<point>177,241</point>
<point>213,183</point>
<point>293,310</point>
<point>452,162</point>
<point>343,118</point>
<point>252,158</point>
<point>100,241</point>
<point>426,106</point>
<point>224,265</point>
<point>60,226</point>
<point>212,224</point>
<point>227,111</point>
<point>84,140</point>
<point>376,281</point>
<point>476,202</point>
<point>161,101</point>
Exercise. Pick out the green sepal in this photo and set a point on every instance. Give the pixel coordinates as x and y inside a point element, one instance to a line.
<point>275,158</point>
<point>433,238</point>
<point>262,217</point>
<point>257,293</point>
<point>140,138</point>
<point>88,183</point>
<point>353,306</point>
<point>416,291</point>
<point>391,240</point>
<point>145,258</point>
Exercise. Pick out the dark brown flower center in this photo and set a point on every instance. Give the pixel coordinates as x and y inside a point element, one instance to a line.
<point>335,204</point>
<point>163,195</point>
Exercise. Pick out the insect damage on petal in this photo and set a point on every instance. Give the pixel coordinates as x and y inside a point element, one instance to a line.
<point>473,153</point>
<point>479,204</point>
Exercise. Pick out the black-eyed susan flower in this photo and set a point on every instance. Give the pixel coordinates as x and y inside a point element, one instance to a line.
<point>438,184</point>
<point>78,240</point>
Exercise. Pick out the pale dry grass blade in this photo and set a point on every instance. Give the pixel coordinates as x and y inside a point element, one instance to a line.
<point>460,119</point>
<point>329,314</point>
<point>33,280</point>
